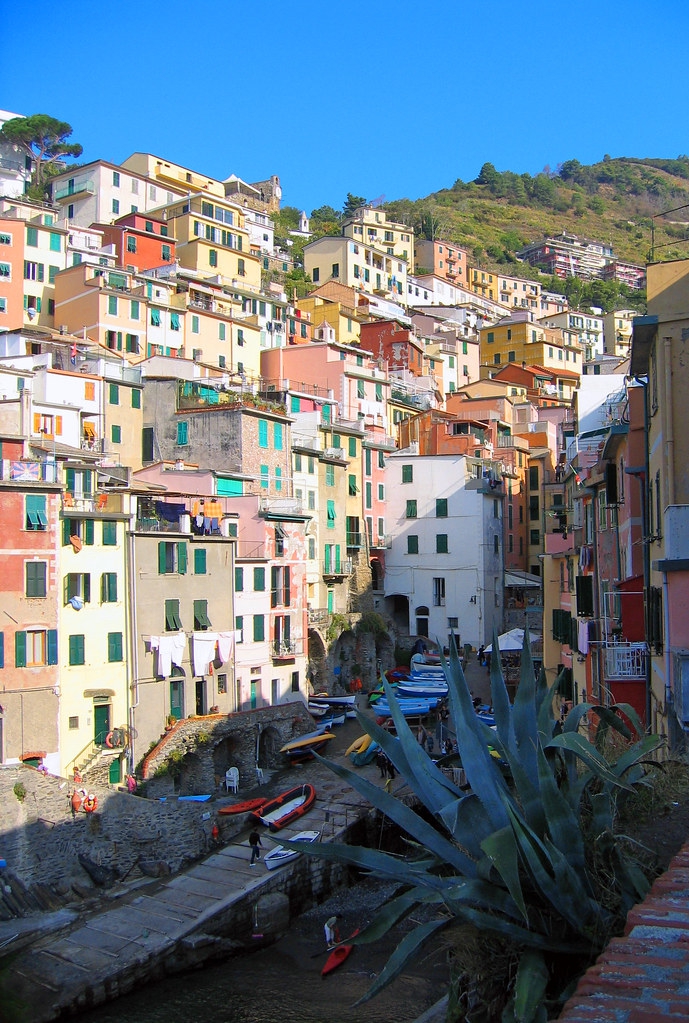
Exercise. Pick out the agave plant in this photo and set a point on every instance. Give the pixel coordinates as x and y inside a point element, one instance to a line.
<point>528,855</point>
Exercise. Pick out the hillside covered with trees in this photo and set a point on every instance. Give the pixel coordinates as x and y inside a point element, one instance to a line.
<point>628,203</point>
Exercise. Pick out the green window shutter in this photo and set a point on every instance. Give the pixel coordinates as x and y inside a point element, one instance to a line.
<point>259,629</point>
<point>277,436</point>
<point>441,543</point>
<point>199,561</point>
<point>265,477</point>
<point>262,433</point>
<point>238,580</point>
<point>411,509</point>
<point>278,478</point>
<point>286,597</point>
<point>20,649</point>
<point>331,514</point>
<point>114,394</point>
<point>441,507</point>
<point>201,619</point>
<point>66,531</point>
<point>109,534</point>
<point>274,586</point>
<point>88,531</point>
<point>162,558</point>
<point>412,544</point>
<point>69,478</point>
<point>52,646</point>
<point>259,580</point>
<point>55,242</point>
<point>116,434</point>
<point>32,236</point>
<point>352,486</point>
<point>172,619</point>
<point>76,649</point>
<point>183,432</point>
<point>182,558</point>
<point>407,473</point>
<point>352,447</point>
<point>136,398</point>
<point>330,475</point>
<point>379,392</point>
<point>87,588</point>
<point>114,646</point>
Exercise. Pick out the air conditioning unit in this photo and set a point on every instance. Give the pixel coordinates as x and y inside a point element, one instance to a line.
<point>196,354</point>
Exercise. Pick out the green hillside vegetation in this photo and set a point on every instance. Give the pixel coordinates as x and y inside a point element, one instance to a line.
<point>494,216</point>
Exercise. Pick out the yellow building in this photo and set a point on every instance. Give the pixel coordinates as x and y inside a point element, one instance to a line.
<point>483,283</point>
<point>371,227</point>
<point>172,175</point>
<point>518,293</point>
<point>334,306</point>
<point>93,631</point>
<point>518,339</point>
<point>212,239</point>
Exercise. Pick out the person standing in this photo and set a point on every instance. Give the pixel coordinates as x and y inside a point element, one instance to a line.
<point>255,843</point>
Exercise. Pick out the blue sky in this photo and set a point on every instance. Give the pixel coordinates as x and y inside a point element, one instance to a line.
<point>383,99</point>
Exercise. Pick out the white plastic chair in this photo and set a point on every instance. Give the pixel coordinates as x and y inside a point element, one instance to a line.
<point>259,775</point>
<point>232,779</point>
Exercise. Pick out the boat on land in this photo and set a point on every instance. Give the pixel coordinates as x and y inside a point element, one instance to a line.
<point>334,701</point>
<point>318,710</point>
<point>280,855</point>
<point>193,799</point>
<point>409,707</point>
<point>422,690</point>
<point>305,745</point>
<point>246,806</point>
<point>359,745</point>
<point>338,956</point>
<point>280,811</point>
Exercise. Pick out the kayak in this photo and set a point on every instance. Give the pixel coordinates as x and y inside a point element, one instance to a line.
<point>244,807</point>
<point>337,956</point>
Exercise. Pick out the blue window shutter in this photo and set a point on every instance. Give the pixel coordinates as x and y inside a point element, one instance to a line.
<point>52,646</point>
<point>20,649</point>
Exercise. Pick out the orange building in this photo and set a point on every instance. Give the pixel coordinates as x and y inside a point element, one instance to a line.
<point>11,278</point>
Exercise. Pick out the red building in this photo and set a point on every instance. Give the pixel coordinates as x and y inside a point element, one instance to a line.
<point>141,241</point>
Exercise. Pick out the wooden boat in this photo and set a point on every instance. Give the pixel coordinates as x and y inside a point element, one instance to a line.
<point>409,707</point>
<point>359,745</point>
<point>280,811</point>
<point>246,806</point>
<point>279,855</point>
<point>334,701</point>
<point>337,956</point>
<point>318,710</point>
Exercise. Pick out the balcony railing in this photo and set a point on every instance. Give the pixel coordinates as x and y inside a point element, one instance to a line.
<point>355,539</point>
<point>287,648</point>
<point>626,660</point>
<point>76,188</point>
<point>28,472</point>
<point>281,506</point>
<point>319,616</point>
<point>337,568</point>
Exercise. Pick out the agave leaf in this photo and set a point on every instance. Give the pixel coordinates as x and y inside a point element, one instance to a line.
<point>563,825</point>
<point>529,988</point>
<point>482,895</point>
<point>389,915</point>
<point>380,863</point>
<point>407,948</point>
<point>601,812</point>
<point>468,823</point>
<point>630,712</point>
<point>576,743</point>
<point>524,713</point>
<point>636,754</point>
<point>409,821</point>
<point>527,936</point>
<point>501,850</point>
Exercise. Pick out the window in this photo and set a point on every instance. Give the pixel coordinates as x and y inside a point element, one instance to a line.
<point>136,398</point>
<point>330,475</point>
<point>439,592</point>
<point>114,394</point>
<point>221,332</point>
<point>259,628</point>
<point>280,593</point>
<point>173,622</point>
<point>155,317</point>
<point>116,179</point>
<point>331,514</point>
<point>201,619</point>
<point>407,473</point>
<point>381,491</point>
<point>32,237</point>
<point>116,206</point>
<point>52,271</point>
<point>265,477</point>
<point>368,495</point>
<point>115,646</point>
<point>351,486</point>
<point>108,588</point>
<point>212,257</point>
<point>33,272</point>
<point>411,509</point>
<point>381,459</point>
<point>81,528</point>
<point>36,512</point>
<point>109,537</point>
<point>441,507</point>
<point>360,389</point>
<point>441,543</point>
<point>195,325</point>
<point>412,544</point>
<point>77,585</point>
<point>35,647</point>
<point>277,436</point>
<point>584,591</point>
<point>262,433</point>
<point>172,558</point>
<point>174,321</point>
<point>5,271</point>
<point>199,561</point>
<point>36,578</point>
<point>533,477</point>
<point>77,653</point>
<point>131,243</point>
<point>238,580</point>
<point>116,434</point>
<point>166,253</point>
<point>182,432</point>
<point>336,270</point>
<point>239,628</point>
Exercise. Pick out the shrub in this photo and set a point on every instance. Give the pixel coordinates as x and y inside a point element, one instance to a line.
<point>528,857</point>
<point>20,791</point>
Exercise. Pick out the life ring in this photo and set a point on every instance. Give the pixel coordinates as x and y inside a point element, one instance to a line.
<point>90,803</point>
<point>114,738</point>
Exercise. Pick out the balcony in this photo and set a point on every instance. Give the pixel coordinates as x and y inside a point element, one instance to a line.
<point>287,649</point>
<point>103,503</point>
<point>337,569</point>
<point>75,190</point>
<point>281,506</point>
<point>626,661</point>
<point>319,616</point>
<point>355,539</point>
<point>28,472</point>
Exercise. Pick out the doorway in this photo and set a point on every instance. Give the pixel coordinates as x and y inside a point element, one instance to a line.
<point>101,722</point>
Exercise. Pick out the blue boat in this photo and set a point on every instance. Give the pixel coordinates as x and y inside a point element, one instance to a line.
<point>409,707</point>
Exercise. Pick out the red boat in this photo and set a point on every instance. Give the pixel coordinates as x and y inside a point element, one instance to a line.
<point>244,807</point>
<point>276,813</point>
<point>337,956</point>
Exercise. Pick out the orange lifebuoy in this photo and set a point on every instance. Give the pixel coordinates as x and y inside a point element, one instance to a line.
<point>108,740</point>
<point>90,803</point>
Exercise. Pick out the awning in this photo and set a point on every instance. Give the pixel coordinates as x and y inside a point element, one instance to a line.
<point>523,580</point>
<point>89,430</point>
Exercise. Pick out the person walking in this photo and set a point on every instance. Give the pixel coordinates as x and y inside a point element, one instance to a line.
<point>381,760</point>
<point>255,842</point>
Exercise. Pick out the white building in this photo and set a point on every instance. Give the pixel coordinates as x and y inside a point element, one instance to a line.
<point>100,192</point>
<point>15,165</point>
<point>444,569</point>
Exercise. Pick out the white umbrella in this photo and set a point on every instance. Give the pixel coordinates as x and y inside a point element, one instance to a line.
<point>512,641</point>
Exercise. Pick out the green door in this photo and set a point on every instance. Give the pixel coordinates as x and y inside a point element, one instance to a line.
<point>177,699</point>
<point>115,771</point>
<point>254,698</point>
<point>101,722</point>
